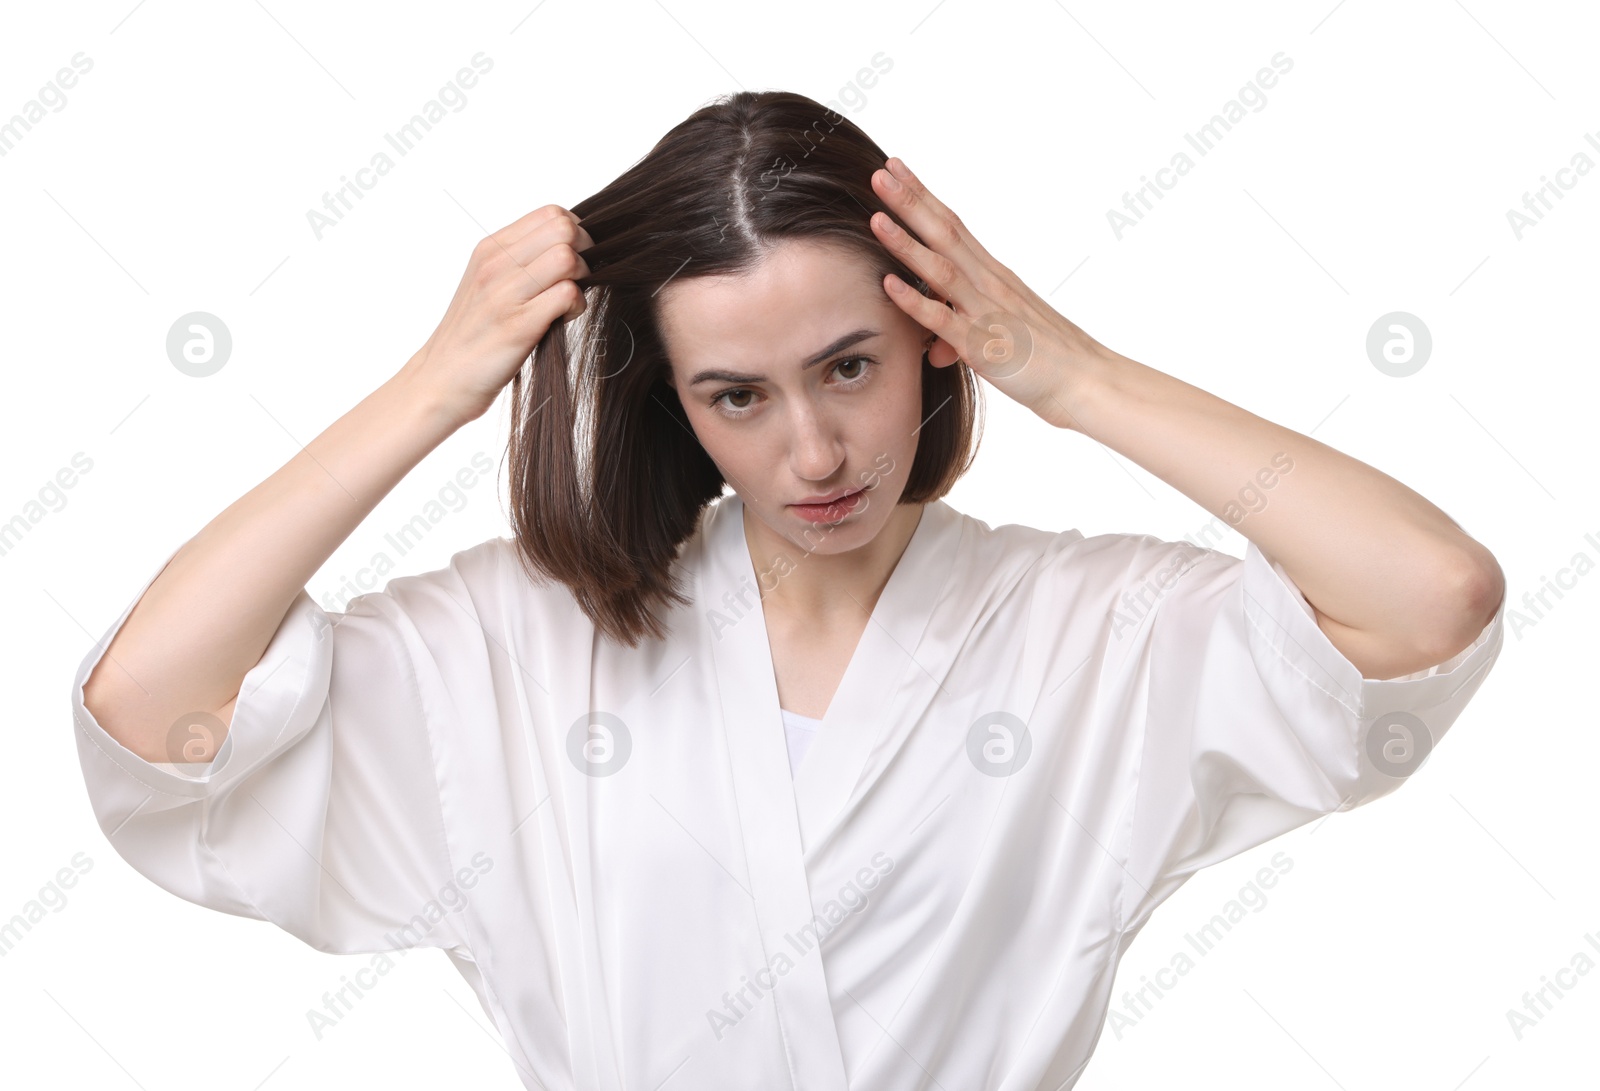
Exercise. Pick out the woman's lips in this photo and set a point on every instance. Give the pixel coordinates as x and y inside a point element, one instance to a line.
<point>829,500</point>
<point>833,510</point>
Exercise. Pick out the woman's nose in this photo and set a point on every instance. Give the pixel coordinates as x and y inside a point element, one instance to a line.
<point>815,450</point>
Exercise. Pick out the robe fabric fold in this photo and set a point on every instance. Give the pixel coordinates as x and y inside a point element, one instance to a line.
<point>1038,739</point>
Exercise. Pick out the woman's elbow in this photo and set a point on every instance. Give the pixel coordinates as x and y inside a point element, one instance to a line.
<point>1474,597</point>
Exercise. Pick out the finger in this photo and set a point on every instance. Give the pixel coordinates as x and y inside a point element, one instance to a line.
<point>934,316</point>
<point>520,228</point>
<point>548,236</point>
<point>942,274</point>
<point>546,258</point>
<point>914,195</point>
<point>562,226</point>
<point>577,308</point>
<point>925,214</point>
<point>561,300</point>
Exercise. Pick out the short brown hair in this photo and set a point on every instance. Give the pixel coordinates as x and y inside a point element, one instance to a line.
<point>607,477</point>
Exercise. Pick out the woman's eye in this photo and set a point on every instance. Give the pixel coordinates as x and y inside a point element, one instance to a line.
<point>723,403</point>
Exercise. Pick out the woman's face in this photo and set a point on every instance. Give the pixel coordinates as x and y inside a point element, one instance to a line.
<point>801,380</point>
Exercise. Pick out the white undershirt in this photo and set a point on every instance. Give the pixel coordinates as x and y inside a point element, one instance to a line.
<point>799,730</point>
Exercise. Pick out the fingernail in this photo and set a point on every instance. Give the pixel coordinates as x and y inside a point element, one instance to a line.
<point>890,182</point>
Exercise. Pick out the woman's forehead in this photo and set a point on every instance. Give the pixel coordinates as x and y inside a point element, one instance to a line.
<point>802,295</point>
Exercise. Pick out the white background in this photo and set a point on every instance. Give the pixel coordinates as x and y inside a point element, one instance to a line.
<point>1377,178</point>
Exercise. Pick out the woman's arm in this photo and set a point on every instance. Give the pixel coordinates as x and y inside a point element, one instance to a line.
<point>1395,584</point>
<point>208,616</point>
<point>206,619</point>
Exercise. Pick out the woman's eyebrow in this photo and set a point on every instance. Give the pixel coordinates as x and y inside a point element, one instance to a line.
<point>839,345</point>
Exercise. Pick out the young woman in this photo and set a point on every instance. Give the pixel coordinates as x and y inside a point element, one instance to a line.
<point>749,761</point>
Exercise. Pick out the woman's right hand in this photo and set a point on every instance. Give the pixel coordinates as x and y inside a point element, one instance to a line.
<point>518,281</point>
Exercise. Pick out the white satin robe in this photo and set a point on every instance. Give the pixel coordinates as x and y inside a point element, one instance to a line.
<point>1039,738</point>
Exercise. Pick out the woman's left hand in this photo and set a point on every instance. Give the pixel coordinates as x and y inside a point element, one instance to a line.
<point>987,316</point>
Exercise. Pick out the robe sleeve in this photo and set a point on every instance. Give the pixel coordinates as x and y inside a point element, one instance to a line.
<point>322,812</point>
<point>1254,723</point>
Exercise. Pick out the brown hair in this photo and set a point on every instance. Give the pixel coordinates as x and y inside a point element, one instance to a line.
<point>607,477</point>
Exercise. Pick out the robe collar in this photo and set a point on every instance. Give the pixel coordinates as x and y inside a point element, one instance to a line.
<point>891,679</point>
